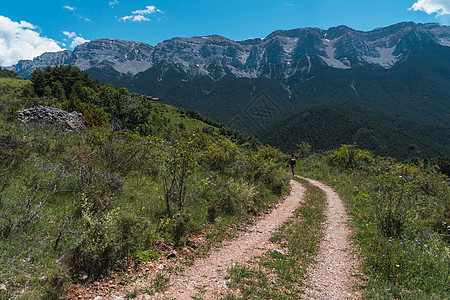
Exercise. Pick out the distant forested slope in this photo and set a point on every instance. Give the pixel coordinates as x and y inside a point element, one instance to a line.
<point>326,127</point>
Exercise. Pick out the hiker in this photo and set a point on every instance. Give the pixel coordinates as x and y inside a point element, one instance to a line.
<point>292,163</point>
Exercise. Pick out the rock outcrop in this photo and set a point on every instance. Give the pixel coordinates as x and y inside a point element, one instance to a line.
<point>52,115</point>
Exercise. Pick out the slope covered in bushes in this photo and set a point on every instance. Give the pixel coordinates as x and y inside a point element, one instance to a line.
<point>76,205</point>
<point>400,212</point>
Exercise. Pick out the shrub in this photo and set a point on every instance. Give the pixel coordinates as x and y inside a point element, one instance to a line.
<point>94,117</point>
<point>13,112</point>
<point>144,256</point>
<point>97,250</point>
<point>55,284</point>
<point>118,151</point>
<point>21,212</point>
<point>303,149</point>
<point>12,150</point>
<point>350,157</point>
<point>179,227</point>
<point>220,154</point>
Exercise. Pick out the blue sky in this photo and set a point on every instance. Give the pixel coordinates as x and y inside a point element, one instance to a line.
<point>29,27</point>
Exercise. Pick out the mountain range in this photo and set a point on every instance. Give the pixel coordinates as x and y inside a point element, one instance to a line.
<point>215,56</point>
<point>398,76</point>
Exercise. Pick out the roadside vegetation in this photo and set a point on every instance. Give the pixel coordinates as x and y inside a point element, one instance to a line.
<point>401,212</point>
<point>75,206</point>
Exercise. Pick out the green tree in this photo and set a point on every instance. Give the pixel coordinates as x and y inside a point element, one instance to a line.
<point>74,103</point>
<point>58,91</point>
<point>94,116</point>
<point>178,161</point>
<point>39,82</point>
<point>47,92</point>
<point>303,149</point>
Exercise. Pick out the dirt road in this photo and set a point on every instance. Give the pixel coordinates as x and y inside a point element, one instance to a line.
<point>209,273</point>
<point>331,278</point>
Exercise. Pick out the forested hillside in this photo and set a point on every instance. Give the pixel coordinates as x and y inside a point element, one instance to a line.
<point>8,74</point>
<point>326,127</point>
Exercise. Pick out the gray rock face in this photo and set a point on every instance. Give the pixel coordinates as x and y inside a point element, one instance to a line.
<point>50,115</point>
<point>124,57</point>
<point>215,56</point>
<point>46,59</point>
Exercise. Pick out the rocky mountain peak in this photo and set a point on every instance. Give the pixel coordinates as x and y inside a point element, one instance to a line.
<point>338,31</point>
<point>296,33</point>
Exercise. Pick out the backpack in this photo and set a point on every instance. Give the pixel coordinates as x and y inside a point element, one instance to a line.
<point>292,161</point>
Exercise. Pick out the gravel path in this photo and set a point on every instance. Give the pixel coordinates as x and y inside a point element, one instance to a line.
<point>333,276</point>
<point>208,274</point>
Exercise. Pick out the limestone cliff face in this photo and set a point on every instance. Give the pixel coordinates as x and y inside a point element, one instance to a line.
<point>286,51</point>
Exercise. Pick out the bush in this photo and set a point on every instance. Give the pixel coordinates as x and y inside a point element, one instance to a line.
<point>94,117</point>
<point>228,196</point>
<point>118,151</point>
<point>220,154</point>
<point>144,256</point>
<point>179,227</point>
<point>12,151</point>
<point>13,112</point>
<point>55,285</point>
<point>350,157</point>
<point>97,250</point>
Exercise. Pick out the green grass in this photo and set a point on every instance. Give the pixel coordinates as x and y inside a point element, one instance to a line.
<point>159,284</point>
<point>398,211</point>
<point>280,275</point>
<point>177,116</point>
<point>13,83</point>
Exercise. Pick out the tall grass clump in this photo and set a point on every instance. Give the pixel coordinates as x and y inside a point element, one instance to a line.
<point>401,212</point>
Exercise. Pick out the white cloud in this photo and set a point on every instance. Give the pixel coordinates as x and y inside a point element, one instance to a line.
<point>140,15</point>
<point>440,7</point>
<point>113,3</point>
<point>84,18</point>
<point>136,18</point>
<point>147,11</point>
<point>69,7</point>
<point>27,25</point>
<point>72,9</point>
<point>76,40</point>
<point>21,40</point>
<point>70,35</point>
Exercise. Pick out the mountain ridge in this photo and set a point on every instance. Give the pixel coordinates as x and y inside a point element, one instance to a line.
<point>338,47</point>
